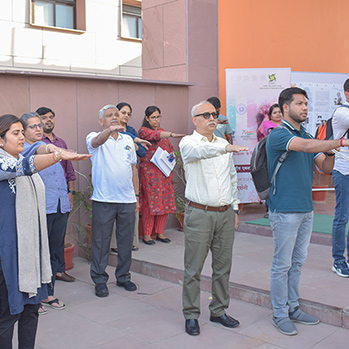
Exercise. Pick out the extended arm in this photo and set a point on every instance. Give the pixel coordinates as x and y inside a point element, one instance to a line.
<point>104,135</point>
<point>315,145</point>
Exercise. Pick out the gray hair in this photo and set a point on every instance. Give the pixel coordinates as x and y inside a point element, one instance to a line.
<point>196,106</point>
<point>25,117</point>
<point>106,107</point>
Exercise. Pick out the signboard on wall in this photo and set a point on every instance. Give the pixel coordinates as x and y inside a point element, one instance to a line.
<point>250,93</point>
<point>325,92</point>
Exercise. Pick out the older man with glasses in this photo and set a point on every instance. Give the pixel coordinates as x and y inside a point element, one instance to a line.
<point>211,216</point>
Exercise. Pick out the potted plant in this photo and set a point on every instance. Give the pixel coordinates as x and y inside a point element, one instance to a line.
<point>179,190</point>
<point>82,200</point>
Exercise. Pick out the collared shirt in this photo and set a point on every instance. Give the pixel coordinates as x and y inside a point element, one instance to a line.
<point>295,177</point>
<point>66,164</point>
<point>340,124</point>
<point>112,169</point>
<point>209,170</point>
<point>222,129</point>
<point>55,184</point>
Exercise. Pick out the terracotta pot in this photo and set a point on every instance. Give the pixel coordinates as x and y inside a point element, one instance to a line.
<point>319,196</point>
<point>68,255</point>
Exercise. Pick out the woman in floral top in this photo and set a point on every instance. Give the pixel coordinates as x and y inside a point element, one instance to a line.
<point>157,198</point>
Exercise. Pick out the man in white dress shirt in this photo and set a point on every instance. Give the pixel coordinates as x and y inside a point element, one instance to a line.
<point>211,216</point>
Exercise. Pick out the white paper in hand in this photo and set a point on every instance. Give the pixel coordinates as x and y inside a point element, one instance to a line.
<point>164,161</point>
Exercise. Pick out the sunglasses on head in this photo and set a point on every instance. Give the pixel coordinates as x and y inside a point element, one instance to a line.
<point>207,115</point>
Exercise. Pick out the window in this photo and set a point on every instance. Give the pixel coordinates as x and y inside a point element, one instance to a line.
<point>131,19</point>
<point>54,13</point>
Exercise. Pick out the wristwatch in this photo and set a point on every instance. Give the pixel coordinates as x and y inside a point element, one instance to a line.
<point>71,192</point>
<point>237,212</point>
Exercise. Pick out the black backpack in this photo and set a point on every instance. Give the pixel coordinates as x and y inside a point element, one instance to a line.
<point>259,167</point>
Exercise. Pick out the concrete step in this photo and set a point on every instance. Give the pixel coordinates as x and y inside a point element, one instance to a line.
<point>250,276</point>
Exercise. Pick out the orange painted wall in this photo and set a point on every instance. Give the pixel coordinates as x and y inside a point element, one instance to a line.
<point>306,35</point>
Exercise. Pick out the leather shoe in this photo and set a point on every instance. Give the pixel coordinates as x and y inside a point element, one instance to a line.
<point>101,290</point>
<point>65,277</point>
<point>165,240</point>
<point>192,327</point>
<point>128,285</point>
<point>149,242</point>
<point>225,320</point>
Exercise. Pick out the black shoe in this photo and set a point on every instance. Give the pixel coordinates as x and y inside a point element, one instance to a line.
<point>101,290</point>
<point>128,285</point>
<point>114,250</point>
<point>225,320</point>
<point>150,242</point>
<point>135,248</point>
<point>165,240</point>
<point>192,327</point>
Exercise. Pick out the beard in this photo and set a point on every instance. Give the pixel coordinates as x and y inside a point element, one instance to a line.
<point>297,117</point>
<point>48,129</point>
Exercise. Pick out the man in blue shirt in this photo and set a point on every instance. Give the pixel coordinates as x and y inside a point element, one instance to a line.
<point>291,206</point>
<point>223,129</point>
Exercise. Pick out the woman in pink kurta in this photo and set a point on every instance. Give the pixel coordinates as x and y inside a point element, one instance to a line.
<point>157,198</point>
<point>275,119</point>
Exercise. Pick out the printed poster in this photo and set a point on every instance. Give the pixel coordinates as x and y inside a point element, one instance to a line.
<point>325,92</point>
<point>250,93</point>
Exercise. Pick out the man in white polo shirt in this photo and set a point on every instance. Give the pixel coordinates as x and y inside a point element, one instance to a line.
<point>115,198</point>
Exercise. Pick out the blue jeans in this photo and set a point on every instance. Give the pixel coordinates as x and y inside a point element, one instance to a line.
<point>291,234</point>
<point>341,185</point>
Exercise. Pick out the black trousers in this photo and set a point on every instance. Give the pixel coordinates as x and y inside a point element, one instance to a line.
<point>56,227</point>
<point>27,321</point>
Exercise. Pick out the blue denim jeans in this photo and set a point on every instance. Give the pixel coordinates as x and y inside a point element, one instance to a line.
<point>341,185</point>
<point>291,234</point>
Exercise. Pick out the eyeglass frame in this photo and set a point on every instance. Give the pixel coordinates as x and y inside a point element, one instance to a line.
<point>34,126</point>
<point>213,114</point>
<point>155,117</point>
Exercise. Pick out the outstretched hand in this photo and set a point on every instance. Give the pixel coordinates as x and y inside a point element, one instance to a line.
<point>69,155</point>
<point>232,148</point>
<point>146,144</point>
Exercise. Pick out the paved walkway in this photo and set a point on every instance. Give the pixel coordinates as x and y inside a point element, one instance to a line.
<point>151,318</point>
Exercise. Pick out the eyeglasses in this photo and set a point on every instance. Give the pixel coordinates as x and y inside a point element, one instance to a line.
<point>44,117</point>
<point>155,117</point>
<point>207,115</point>
<point>124,112</point>
<point>34,126</point>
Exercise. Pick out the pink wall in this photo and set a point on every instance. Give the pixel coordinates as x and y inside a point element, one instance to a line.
<point>76,102</point>
<point>180,43</point>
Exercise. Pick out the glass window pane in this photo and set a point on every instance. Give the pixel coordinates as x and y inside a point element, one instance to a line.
<point>64,16</point>
<point>139,28</point>
<point>129,28</point>
<point>43,13</point>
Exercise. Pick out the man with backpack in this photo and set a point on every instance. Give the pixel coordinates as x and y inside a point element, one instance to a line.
<point>340,174</point>
<point>291,206</point>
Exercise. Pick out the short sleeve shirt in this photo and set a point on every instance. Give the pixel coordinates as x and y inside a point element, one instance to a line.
<point>221,129</point>
<point>112,169</point>
<point>295,177</point>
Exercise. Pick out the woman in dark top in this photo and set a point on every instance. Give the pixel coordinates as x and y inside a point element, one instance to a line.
<point>25,268</point>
